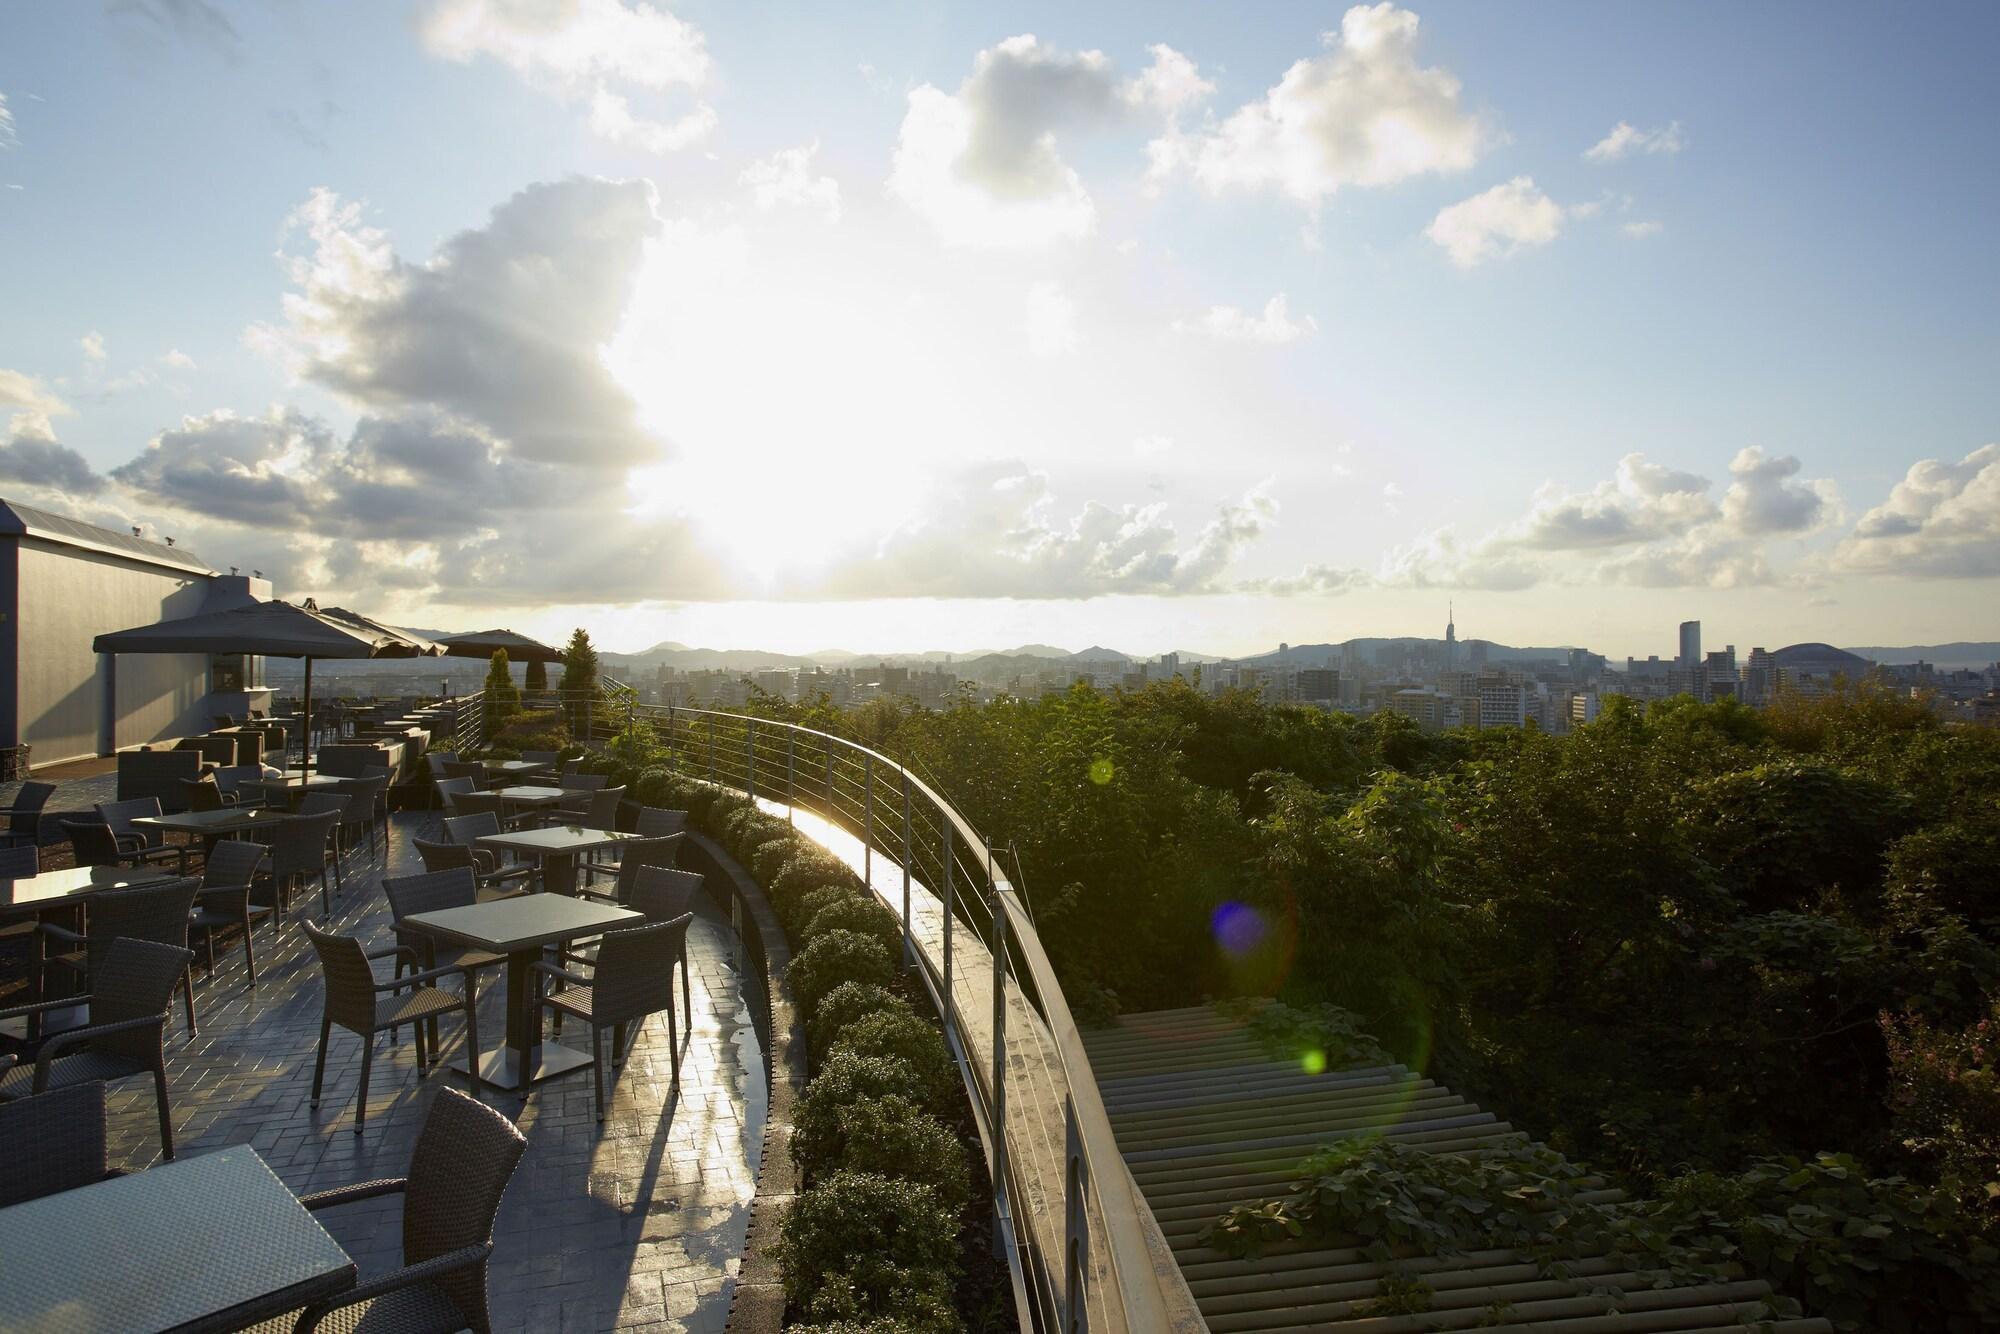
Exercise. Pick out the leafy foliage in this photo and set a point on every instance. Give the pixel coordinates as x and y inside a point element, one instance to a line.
<point>847,1004</point>
<point>898,1034</point>
<point>859,1245</point>
<point>834,958</point>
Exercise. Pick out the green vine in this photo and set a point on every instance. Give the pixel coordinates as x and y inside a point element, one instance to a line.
<point>1319,1037</point>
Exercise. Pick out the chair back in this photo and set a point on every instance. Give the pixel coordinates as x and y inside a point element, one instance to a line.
<point>350,980</point>
<point>362,794</point>
<point>437,759</point>
<point>430,891</point>
<point>603,811</point>
<point>203,793</point>
<point>232,779</point>
<point>135,979</point>
<point>299,844</point>
<point>465,1155</point>
<point>472,769</point>
<point>443,856</point>
<point>26,819</point>
<point>635,855</point>
<point>467,830</point>
<point>120,814</point>
<point>65,1128</point>
<point>325,803</point>
<point>155,773</point>
<point>157,913</point>
<point>233,863</point>
<point>634,976</point>
<point>479,803</point>
<point>91,842</point>
<point>584,782</point>
<point>21,862</point>
<point>548,757</point>
<point>658,822</point>
<point>663,893</point>
<point>451,789</point>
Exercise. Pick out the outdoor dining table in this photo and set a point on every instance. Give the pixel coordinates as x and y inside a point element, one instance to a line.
<point>515,768</point>
<point>67,887</point>
<point>213,1242</point>
<point>555,849</point>
<point>519,928</point>
<point>530,796</point>
<point>215,824</point>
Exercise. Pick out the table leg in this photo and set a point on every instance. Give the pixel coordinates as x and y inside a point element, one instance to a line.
<point>526,1059</point>
<point>559,873</point>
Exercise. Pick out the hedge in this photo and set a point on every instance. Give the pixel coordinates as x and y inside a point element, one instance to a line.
<point>836,957</point>
<point>889,1136</point>
<point>862,1245</point>
<point>853,912</point>
<point>847,1004</point>
<point>903,1036</point>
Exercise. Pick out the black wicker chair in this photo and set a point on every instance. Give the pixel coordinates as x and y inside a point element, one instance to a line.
<point>459,1171</point>
<point>365,1005</point>
<point>158,912</point>
<point>126,1036</point>
<point>301,849</point>
<point>631,978</point>
<point>491,871</point>
<point>141,846</point>
<point>24,817</point>
<point>56,1142</point>
<point>634,854</point>
<point>226,882</point>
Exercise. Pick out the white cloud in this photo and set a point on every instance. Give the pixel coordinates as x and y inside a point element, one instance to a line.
<point>8,139</point>
<point>1051,320</point>
<point>92,344</point>
<point>177,360</point>
<point>31,456</point>
<point>1625,140</point>
<point>1312,580</point>
<point>31,401</point>
<point>594,51</point>
<point>1170,84</point>
<point>785,179</point>
<point>1942,519</point>
<point>1496,223</point>
<point>1437,559</point>
<point>1764,499</point>
<point>1153,446</point>
<point>1642,502</point>
<point>1273,325</point>
<point>1363,114</point>
<point>1639,231</point>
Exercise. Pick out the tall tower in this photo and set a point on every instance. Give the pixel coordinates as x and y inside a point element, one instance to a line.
<point>1450,638</point>
<point>1690,644</point>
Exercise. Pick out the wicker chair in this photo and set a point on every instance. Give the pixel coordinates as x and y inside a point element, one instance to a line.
<point>364,1005</point>
<point>631,978</point>
<point>637,853</point>
<point>140,845</point>
<point>481,861</point>
<point>449,790</point>
<point>204,794</point>
<point>548,759</point>
<point>658,822</point>
<point>579,787</point>
<point>470,828</point>
<point>459,1170</point>
<point>364,796</point>
<point>20,862</point>
<point>126,1036</point>
<point>432,892</point>
<point>485,803</point>
<point>299,850</point>
<point>64,1133</point>
<point>472,769</point>
<point>92,843</point>
<point>156,912</point>
<point>24,817</point>
<point>224,900</point>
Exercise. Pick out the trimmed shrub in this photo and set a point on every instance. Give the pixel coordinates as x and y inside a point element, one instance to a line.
<point>859,1245</point>
<point>809,870</point>
<point>922,1301</point>
<point>904,1036</point>
<point>853,912</point>
<point>770,858</point>
<point>890,1137</point>
<point>836,957</point>
<point>844,1005</point>
<point>844,1080</point>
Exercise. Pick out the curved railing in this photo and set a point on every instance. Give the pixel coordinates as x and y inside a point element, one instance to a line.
<point>1071,1221</point>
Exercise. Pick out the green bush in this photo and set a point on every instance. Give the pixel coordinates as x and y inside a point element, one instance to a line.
<point>890,1136</point>
<point>858,1245</point>
<point>845,1079</point>
<point>836,957</point>
<point>853,912</point>
<point>847,1004</point>
<point>922,1303</point>
<point>770,857</point>
<point>902,1035</point>
<point>806,872</point>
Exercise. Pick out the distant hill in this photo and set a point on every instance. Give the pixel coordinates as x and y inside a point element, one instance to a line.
<point>1820,658</point>
<point>1962,653</point>
<point>1369,650</point>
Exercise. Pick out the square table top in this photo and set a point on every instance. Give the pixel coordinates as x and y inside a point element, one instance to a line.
<point>515,766</point>
<point>524,922</point>
<point>531,794</point>
<point>71,881</point>
<point>556,838</point>
<point>178,1244</point>
<point>228,820</point>
<point>293,778</point>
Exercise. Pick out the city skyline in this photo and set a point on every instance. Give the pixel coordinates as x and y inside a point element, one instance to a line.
<point>952,329</point>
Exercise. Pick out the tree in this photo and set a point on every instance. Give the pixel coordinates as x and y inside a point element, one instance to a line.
<point>502,699</point>
<point>538,677</point>
<point>579,681</point>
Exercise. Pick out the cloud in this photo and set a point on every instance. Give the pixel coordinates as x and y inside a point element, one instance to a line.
<point>1763,499</point>
<point>1624,141</point>
<point>178,360</point>
<point>188,20</point>
<point>999,536</point>
<point>1496,223</point>
<point>31,455</point>
<point>92,344</point>
<point>1311,581</point>
<point>503,326</point>
<point>1051,320</point>
<point>31,402</point>
<point>587,51</point>
<point>8,139</point>
<point>1363,114</point>
<point>1942,520</point>
<point>1437,559</point>
<point>263,471</point>
<point>1273,326</point>
<point>1642,502</point>
<point>1639,231</point>
<point>983,165</point>
<point>785,180</point>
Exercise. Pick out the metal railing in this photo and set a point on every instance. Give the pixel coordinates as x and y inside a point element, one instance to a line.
<point>898,815</point>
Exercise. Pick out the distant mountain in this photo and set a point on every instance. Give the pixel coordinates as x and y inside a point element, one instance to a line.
<point>1820,658</point>
<point>1370,650</point>
<point>1947,656</point>
<point>1098,653</point>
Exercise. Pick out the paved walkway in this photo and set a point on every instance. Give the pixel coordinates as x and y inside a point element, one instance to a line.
<point>636,1223</point>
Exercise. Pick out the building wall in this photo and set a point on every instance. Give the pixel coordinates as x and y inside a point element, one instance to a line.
<point>66,597</point>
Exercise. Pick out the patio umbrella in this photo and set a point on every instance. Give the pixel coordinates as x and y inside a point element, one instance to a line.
<point>273,630</point>
<point>483,643</point>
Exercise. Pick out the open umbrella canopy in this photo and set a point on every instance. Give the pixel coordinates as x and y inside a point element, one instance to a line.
<point>272,630</point>
<point>422,647</point>
<point>483,643</point>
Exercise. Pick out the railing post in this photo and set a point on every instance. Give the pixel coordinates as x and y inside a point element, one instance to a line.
<point>750,759</point>
<point>1076,1223</point>
<point>909,950</point>
<point>999,1043</point>
<point>868,820</point>
<point>588,734</point>
<point>791,775</point>
<point>944,823</point>
<point>711,747</point>
<point>832,810</point>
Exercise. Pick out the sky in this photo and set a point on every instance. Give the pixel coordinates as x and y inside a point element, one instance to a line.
<point>921,326</point>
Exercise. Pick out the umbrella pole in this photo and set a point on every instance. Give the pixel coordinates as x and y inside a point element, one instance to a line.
<point>306,721</point>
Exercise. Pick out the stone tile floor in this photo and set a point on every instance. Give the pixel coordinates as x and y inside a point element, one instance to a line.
<point>636,1223</point>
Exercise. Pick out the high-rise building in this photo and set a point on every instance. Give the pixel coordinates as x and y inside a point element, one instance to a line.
<point>1690,644</point>
<point>1319,685</point>
<point>1450,638</point>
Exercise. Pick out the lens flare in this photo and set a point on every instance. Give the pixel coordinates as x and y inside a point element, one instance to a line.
<point>1101,771</point>
<point>1313,1062</point>
<point>1238,928</point>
